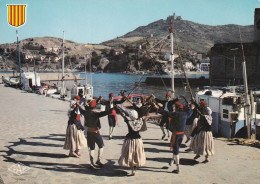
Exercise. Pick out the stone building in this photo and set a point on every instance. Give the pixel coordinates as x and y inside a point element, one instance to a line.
<point>226,64</point>
<point>226,61</point>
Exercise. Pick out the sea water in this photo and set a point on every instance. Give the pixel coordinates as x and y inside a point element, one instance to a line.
<point>105,83</point>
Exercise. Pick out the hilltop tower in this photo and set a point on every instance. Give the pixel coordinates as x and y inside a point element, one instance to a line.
<point>174,16</point>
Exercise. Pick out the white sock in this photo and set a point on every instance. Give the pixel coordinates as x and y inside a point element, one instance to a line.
<point>100,152</point>
<point>91,156</point>
<point>177,161</point>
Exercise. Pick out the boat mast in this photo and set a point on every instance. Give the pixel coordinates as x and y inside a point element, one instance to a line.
<point>247,106</point>
<point>172,59</point>
<point>86,72</point>
<point>63,87</point>
<point>34,70</point>
<point>19,56</point>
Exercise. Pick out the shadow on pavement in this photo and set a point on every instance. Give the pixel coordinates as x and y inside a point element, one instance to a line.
<point>165,144</point>
<point>155,150</point>
<point>183,161</point>
<point>14,155</point>
<point>114,137</point>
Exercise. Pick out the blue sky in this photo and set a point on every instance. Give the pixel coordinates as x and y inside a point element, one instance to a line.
<point>95,21</point>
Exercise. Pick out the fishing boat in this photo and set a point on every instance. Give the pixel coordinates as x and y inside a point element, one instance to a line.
<point>48,90</point>
<point>13,81</point>
<point>228,107</point>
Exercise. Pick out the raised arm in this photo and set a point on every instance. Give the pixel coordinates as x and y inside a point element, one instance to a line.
<point>103,113</point>
<point>122,112</point>
<point>82,111</point>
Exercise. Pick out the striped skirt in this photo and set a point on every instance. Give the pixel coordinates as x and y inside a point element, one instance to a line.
<point>75,138</point>
<point>132,153</point>
<point>202,143</point>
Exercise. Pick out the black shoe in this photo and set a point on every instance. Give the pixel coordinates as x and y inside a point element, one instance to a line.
<point>92,166</point>
<point>196,157</point>
<point>188,150</point>
<point>99,164</point>
<point>205,161</point>
<point>164,135</point>
<point>176,171</point>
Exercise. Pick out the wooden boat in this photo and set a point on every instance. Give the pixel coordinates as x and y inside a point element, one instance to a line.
<point>11,81</point>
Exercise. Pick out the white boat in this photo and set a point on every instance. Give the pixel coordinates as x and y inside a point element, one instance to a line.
<point>11,81</point>
<point>86,91</point>
<point>48,90</point>
<point>228,110</point>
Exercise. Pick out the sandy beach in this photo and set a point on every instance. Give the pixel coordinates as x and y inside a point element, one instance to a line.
<point>33,133</point>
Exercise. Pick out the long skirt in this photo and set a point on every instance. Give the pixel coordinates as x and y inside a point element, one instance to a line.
<point>190,128</point>
<point>202,143</point>
<point>132,153</point>
<point>75,138</point>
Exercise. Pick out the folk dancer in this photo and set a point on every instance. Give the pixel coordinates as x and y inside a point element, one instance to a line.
<point>112,117</point>
<point>202,141</point>
<point>75,139</point>
<point>191,124</point>
<point>167,105</point>
<point>178,123</point>
<point>132,152</point>
<point>142,106</point>
<point>93,135</point>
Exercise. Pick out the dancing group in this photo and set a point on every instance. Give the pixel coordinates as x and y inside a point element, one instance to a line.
<point>193,120</point>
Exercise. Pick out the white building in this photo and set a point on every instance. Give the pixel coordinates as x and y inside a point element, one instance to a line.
<point>29,80</point>
<point>188,65</point>
<point>203,65</point>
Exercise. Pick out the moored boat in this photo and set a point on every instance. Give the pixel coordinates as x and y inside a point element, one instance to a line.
<point>11,81</point>
<point>228,110</point>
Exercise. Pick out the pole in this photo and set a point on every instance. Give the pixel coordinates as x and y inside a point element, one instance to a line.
<point>34,73</point>
<point>90,71</point>
<point>86,71</point>
<point>172,59</point>
<point>234,71</point>
<point>62,89</point>
<point>247,105</point>
<point>19,56</point>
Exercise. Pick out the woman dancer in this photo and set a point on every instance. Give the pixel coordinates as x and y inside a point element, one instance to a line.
<point>141,106</point>
<point>75,139</point>
<point>132,153</point>
<point>202,141</point>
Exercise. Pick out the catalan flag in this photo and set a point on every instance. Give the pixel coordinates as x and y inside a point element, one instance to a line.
<point>16,15</point>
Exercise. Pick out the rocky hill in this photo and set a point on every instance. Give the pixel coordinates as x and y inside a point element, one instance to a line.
<point>47,53</point>
<point>130,52</point>
<point>190,35</point>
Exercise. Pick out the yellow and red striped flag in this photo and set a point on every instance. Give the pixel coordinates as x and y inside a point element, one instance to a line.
<point>16,15</point>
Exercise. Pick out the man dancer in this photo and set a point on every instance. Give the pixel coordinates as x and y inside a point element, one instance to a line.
<point>112,118</point>
<point>179,123</point>
<point>167,105</point>
<point>93,136</point>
